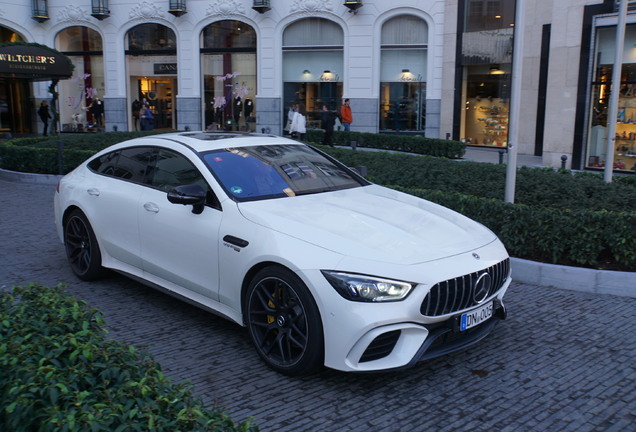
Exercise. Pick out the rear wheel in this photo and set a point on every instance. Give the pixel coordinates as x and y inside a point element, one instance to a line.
<point>284,322</point>
<point>82,250</point>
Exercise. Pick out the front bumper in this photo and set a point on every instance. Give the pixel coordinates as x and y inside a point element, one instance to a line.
<point>366,337</point>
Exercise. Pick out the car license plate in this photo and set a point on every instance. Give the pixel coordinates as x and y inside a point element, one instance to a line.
<point>476,317</point>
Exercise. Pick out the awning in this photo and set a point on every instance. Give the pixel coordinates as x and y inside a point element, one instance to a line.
<point>34,62</point>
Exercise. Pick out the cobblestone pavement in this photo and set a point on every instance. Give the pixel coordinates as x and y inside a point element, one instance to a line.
<point>562,361</point>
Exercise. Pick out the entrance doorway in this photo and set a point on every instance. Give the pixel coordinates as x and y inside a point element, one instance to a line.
<point>15,112</point>
<point>160,94</point>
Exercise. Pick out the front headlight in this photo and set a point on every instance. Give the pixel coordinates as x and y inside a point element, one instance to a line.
<point>365,288</point>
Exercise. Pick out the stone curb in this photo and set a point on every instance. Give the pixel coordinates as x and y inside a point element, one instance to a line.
<point>50,179</point>
<point>524,271</point>
<point>616,283</point>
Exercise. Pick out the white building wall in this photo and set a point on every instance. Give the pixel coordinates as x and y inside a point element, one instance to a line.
<point>361,51</point>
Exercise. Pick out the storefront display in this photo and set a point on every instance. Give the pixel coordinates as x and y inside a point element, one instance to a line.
<point>624,140</point>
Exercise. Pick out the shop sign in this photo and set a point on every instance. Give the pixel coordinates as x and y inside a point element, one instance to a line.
<point>165,68</point>
<point>34,62</point>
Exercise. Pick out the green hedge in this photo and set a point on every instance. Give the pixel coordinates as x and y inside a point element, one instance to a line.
<point>58,372</point>
<point>536,187</point>
<point>396,142</point>
<point>597,239</point>
<point>39,155</point>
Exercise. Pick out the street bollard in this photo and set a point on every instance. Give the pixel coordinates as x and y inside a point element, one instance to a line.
<point>501,153</point>
<point>564,159</point>
<point>354,145</point>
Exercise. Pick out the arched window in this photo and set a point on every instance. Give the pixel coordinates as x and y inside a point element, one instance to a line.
<point>151,60</point>
<point>83,46</point>
<point>312,67</point>
<point>150,38</point>
<point>403,74</point>
<point>228,65</point>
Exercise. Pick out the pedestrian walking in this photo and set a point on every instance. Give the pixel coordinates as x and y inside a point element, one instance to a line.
<point>327,121</point>
<point>299,124</point>
<point>346,116</point>
<point>45,115</point>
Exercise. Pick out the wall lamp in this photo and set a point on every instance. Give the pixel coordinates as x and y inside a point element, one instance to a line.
<point>99,9</point>
<point>40,11</point>
<point>177,7</point>
<point>261,6</point>
<point>496,70</point>
<point>353,5</point>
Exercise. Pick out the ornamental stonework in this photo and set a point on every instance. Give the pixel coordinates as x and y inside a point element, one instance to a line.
<point>145,10</point>
<point>73,14</point>
<point>225,8</point>
<point>309,6</point>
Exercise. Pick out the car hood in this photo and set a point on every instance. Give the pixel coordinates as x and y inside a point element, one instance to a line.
<point>372,223</point>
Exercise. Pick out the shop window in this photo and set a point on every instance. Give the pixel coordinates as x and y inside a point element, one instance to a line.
<point>228,64</point>
<point>403,74</point>
<point>312,68</point>
<point>486,106</point>
<point>488,14</point>
<point>78,107</point>
<point>625,136</point>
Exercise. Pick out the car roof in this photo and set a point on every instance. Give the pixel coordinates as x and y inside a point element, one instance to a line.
<point>204,141</point>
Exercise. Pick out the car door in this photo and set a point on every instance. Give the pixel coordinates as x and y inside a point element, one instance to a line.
<point>113,202</point>
<point>177,245</point>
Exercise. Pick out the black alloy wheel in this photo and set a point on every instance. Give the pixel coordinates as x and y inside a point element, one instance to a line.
<point>284,322</point>
<point>82,250</point>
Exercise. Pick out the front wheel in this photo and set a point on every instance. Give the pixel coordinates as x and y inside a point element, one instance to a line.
<point>284,322</point>
<point>82,250</point>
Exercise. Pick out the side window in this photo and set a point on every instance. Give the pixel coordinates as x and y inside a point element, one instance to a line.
<point>105,164</point>
<point>128,164</point>
<point>133,163</point>
<point>173,169</point>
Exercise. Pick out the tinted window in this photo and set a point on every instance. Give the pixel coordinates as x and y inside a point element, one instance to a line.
<point>172,169</point>
<point>130,164</point>
<point>259,172</point>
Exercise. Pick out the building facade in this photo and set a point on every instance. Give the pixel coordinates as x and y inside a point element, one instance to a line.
<point>434,68</point>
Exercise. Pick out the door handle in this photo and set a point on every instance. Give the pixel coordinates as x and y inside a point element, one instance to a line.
<point>151,207</point>
<point>93,191</point>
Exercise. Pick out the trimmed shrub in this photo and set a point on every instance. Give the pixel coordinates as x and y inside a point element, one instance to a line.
<point>396,142</point>
<point>39,155</point>
<point>58,372</point>
<point>597,239</point>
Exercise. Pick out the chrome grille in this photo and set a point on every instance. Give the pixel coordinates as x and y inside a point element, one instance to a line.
<point>457,294</point>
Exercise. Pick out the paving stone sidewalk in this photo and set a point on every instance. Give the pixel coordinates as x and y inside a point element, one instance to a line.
<point>563,361</point>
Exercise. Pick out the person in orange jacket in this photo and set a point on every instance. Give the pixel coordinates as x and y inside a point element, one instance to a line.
<point>345,115</point>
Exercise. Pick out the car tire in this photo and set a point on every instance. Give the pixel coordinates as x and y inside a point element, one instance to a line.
<point>284,322</point>
<point>82,249</point>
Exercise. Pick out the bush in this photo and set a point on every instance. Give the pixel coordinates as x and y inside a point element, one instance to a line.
<point>39,155</point>
<point>396,142</point>
<point>596,239</point>
<point>58,372</point>
<point>536,187</point>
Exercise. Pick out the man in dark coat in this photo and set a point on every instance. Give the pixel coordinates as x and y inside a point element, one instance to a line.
<point>327,119</point>
<point>45,115</point>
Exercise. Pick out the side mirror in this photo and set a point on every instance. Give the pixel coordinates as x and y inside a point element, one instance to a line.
<point>192,194</point>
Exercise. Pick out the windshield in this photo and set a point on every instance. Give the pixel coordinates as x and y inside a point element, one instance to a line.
<point>271,171</point>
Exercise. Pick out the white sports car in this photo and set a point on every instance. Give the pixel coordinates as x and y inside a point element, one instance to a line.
<point>323,267</point>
